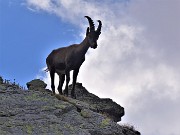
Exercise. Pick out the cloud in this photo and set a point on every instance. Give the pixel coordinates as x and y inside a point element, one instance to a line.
<point>40,4</point>
<point>136,62</point>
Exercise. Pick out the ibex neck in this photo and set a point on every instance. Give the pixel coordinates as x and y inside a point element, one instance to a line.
<point>84,46</point>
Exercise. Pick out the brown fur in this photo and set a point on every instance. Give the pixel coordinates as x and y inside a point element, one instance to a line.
<point>65,59</point>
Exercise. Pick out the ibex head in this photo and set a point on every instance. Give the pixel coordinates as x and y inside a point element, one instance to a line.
<point>93,34</point>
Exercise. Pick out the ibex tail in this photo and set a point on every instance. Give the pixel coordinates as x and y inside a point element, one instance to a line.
<point>46,70</point>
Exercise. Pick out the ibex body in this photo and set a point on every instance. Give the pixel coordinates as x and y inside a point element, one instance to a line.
<point>63,60</point>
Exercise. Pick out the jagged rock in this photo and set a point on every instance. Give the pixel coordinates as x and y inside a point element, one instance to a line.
<point>36,84</point>
<point>3,87</point>
<point>39,112</point>
<point>1,80</point>
<point>103,105</point>
<point>128,129</point>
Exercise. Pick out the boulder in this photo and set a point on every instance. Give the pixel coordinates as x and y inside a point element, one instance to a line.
<point>36,84</point>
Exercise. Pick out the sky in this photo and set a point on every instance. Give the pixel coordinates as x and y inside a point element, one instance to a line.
<point>136,61</point>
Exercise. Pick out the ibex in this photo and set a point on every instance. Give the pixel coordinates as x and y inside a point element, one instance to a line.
<point>63,60</point>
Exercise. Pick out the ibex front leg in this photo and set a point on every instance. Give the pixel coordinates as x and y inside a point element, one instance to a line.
<point>67,83</point>
<point>75,73</point>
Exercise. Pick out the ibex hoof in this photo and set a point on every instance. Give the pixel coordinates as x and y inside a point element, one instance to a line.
<point>60,93</point>
<point>53,93</point>
<point>65,93</point>
<point>73,96</point>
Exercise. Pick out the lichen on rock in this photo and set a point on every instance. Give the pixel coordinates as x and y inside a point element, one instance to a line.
<point>36,111</point>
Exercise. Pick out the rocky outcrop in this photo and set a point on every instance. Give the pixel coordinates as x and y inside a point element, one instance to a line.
<point>7,85</point>
<point>39,112</point>
<point>87,100</point>
<point>101,105</point>
<point>1,80</point>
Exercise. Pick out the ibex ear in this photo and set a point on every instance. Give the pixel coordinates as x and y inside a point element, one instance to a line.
<point>87,31</point>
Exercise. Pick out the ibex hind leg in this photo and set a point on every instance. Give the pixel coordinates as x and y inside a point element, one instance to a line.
<point>61,82</point>
<point>52,73</point>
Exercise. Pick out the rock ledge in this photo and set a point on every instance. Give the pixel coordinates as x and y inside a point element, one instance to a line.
<point>35,112</point>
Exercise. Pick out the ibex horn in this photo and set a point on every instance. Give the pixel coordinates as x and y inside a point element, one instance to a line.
<point>99,27</point>
<point>91,23</point>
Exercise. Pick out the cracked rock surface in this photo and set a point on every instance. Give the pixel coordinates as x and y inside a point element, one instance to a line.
<point>33,112</point>
<point>105,106</point>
